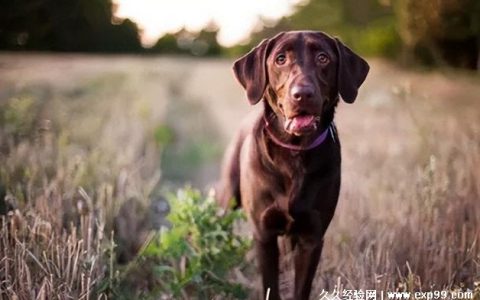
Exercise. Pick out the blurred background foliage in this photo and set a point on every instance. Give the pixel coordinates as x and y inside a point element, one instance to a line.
<point>429,32</point>
<point>70,25</point>
<point>90,144</point>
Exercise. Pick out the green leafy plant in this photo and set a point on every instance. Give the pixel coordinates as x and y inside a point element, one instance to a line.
<point>195,256</point>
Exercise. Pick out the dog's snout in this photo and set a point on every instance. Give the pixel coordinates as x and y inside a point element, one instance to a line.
<point>302,92</point>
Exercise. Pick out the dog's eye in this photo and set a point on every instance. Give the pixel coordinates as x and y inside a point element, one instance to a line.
<point>323,58</point>
<point>280,59</point>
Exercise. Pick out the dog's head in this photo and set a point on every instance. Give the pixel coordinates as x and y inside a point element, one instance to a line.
<point>300,74</point>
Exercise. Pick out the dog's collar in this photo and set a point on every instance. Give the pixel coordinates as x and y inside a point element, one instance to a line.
<point>317,142</point>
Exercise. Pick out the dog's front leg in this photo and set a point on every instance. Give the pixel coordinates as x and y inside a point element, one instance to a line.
<point>267,255</point>
<point>306,260</point>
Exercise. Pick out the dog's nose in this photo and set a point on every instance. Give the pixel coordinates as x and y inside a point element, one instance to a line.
<point>302,92</point>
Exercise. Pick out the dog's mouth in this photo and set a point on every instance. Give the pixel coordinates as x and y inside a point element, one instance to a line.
<point>300,124</point>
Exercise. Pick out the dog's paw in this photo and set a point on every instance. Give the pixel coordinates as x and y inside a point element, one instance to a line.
<point>275,220</point>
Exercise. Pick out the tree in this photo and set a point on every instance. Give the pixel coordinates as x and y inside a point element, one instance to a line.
<point>203,43</point>
<point>443,32</point>
<point>365,25</point>
<point>167,44</point>
<point>67,25</point>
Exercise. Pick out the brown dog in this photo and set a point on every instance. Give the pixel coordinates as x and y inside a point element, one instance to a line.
<point>284,167</point>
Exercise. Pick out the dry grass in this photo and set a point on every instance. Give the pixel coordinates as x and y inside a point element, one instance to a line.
<point>39,263</point>
<point>77,162</point>
<point>408,217</point>
<point>80,155</point>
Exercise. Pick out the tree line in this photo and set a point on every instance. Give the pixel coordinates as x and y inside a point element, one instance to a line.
<point>66,25</point>
<point>431,32</point>
<point>426,32</point>
<point>88,26</point>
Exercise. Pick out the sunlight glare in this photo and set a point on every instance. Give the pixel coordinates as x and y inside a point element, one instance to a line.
<point>235,19</point>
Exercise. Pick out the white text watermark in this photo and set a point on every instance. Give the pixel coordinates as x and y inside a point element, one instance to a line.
<point>346,294</point>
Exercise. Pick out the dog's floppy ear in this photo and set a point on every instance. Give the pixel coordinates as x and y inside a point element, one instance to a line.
<point>251,71</point>
<point>352,71</point>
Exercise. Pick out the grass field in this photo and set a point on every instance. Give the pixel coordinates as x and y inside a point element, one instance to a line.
<point>89,144</point>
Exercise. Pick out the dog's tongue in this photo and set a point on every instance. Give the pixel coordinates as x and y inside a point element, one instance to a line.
<point>299,123</point>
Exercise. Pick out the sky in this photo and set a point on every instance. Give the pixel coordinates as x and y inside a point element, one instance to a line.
<point>235,19</point>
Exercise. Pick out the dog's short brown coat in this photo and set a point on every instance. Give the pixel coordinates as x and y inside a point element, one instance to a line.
<point>299,75</point>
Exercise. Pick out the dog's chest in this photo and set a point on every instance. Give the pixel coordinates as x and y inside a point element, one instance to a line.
<point>291,170</point>
<point>294,174</point>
